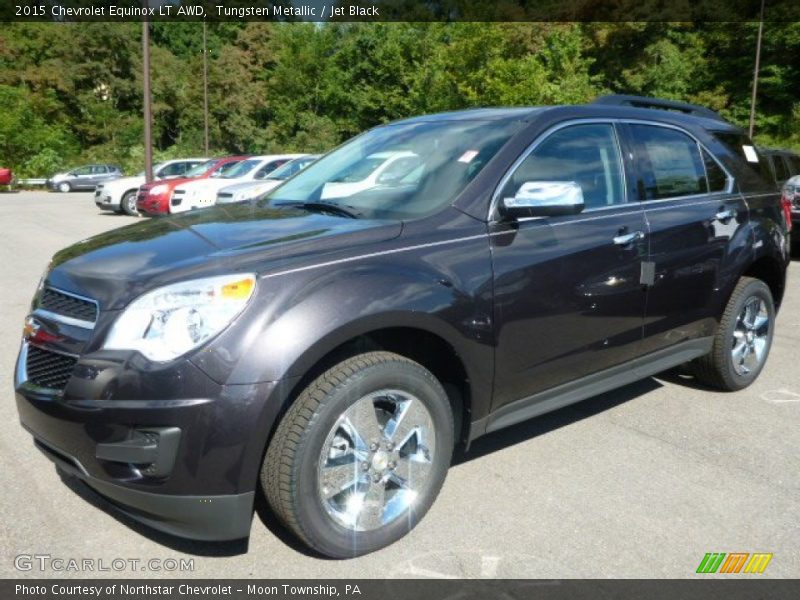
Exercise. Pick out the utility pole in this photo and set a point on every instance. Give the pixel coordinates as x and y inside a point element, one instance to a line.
<point>148,134</point>
<point>755,72</point>
<point>205,89</point>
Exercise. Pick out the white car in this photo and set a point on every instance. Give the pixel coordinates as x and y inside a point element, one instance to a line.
<point>241,192</point>
<point>377,169</point>
<point>203,192</point>
<point>119,195</point>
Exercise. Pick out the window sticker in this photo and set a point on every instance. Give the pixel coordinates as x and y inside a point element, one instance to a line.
<point>750,153</point>
<point>468,156</point>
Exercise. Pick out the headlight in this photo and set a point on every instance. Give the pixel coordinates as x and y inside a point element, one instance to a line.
<point>171,320</point>
<point>159,189</point>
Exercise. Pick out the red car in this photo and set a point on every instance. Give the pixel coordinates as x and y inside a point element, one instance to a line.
<point>154,198</point>
<point>6,176</point>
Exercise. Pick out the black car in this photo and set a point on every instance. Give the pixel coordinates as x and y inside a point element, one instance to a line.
<point>783,164</point>
<point>83,178</point>
<point>332,350</point>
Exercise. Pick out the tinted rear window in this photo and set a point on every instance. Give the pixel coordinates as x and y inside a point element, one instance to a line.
<point>736,142</point>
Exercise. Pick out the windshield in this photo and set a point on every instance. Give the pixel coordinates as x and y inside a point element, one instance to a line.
<point>200,169</point>
<point>292,167</point>
<point>399,171</point>
<point>239,169</point>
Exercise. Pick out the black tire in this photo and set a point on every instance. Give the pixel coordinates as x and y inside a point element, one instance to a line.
<point>289,476</point>
<point>717,367</point>
<point>64,187</point>
<point>128,203</point>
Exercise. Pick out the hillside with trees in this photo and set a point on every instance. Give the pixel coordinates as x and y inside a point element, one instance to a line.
<point>71,93</point>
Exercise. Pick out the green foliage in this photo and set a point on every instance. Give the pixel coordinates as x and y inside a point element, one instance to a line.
<point>71,92</point>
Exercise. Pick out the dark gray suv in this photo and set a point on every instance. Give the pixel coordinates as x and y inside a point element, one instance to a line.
<point>83,178</point>
<point>330,344</point>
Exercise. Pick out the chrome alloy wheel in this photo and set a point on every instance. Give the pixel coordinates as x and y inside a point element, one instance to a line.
<point>377,460</point>
<point>750,336</point>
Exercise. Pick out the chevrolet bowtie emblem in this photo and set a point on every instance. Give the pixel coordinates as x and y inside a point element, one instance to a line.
<point>30,329</point>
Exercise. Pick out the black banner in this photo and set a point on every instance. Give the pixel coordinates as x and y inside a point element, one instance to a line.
<point>403,589</point>
<point>399,10</point>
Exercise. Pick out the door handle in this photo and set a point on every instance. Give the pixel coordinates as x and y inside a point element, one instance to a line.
<point>628,238</point>
<point>725,214</point>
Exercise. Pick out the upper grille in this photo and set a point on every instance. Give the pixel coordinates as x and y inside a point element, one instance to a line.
<point>225,195</point>
<point>49,369</point>
<point>67,305</point>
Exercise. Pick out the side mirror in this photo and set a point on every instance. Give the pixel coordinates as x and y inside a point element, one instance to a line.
<point>544,199</point>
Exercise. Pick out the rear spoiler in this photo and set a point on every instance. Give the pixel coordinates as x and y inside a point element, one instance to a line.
<point>646,102</point>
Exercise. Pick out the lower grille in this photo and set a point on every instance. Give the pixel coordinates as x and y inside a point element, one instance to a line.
<point>49,369</point>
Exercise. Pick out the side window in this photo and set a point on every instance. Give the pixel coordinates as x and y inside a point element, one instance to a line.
<point>794,162</point>
<point>781,172</point>
<point>585,154</point>
<point>173,169</point>
<point>98,169</point>
<point>717,178</point>
<point>669,163</point>
<point>82,171</point>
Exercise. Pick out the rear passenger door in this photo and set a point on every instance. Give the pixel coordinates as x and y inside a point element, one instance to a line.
<point>693,215</point>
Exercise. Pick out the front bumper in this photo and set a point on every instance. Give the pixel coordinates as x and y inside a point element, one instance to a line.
<point>105,201</point>
<point>207,488</point>
<point>153,205</point>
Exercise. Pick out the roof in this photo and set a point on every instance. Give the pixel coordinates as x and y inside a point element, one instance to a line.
<point>615,106</point>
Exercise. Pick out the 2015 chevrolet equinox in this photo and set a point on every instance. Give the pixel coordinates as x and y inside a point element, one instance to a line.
<point>336,347</point>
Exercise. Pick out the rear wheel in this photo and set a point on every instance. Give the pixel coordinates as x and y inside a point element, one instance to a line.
<point>743,338</point>
<point>360,456</point>
<point>128,204</point>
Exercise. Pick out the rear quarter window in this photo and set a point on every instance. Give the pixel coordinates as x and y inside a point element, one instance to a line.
<point>736,143</point>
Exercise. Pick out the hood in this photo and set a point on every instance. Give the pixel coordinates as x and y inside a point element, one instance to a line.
<point>117,266</point>
<point>245,185</point>
<point>123,182</point>
<point>209,185</point>
<point>173,183</point>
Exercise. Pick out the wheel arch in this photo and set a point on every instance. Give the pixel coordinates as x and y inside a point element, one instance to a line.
<point>769,270</point>
<point>430,348</point>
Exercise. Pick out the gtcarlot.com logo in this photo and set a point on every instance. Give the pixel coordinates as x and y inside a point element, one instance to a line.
<point>734,562</point>
<point>46,562</point>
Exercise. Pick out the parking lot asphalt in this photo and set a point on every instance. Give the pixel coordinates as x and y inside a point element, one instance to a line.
<point>637,483</point>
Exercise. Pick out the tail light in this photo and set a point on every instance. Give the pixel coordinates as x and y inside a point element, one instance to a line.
<point>786,204</point>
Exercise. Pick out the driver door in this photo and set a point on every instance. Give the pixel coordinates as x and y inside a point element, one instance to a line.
<point>568,295</point>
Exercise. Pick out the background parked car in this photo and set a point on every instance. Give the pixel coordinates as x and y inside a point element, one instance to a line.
<point>83,178</point>
<point>6,176</point>
<point>242,192</point>
<point>378,169</point>
<point>119,195</point>
<point>155,198</point>
<point>201,194</point>
<point>782,163</point>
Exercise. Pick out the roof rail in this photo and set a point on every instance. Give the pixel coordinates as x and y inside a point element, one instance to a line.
<point>646,102</point>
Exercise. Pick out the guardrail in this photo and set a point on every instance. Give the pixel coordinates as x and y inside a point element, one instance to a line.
<point>30,181</point>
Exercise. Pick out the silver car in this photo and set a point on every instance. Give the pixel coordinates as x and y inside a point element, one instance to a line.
<point>83,178</point>
<point>248,190</point>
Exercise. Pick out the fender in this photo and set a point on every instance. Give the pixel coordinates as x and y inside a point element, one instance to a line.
<point>296,319</point>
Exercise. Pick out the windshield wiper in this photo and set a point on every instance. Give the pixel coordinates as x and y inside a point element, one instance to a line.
<point>324,207</point>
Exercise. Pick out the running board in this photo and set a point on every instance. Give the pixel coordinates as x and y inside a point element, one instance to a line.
<point>591,385</point>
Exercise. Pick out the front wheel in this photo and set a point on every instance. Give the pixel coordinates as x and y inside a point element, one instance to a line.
<point>743,338</point>
<point>128,204</point>
<point>64,187</point>
<point>361,455</point>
